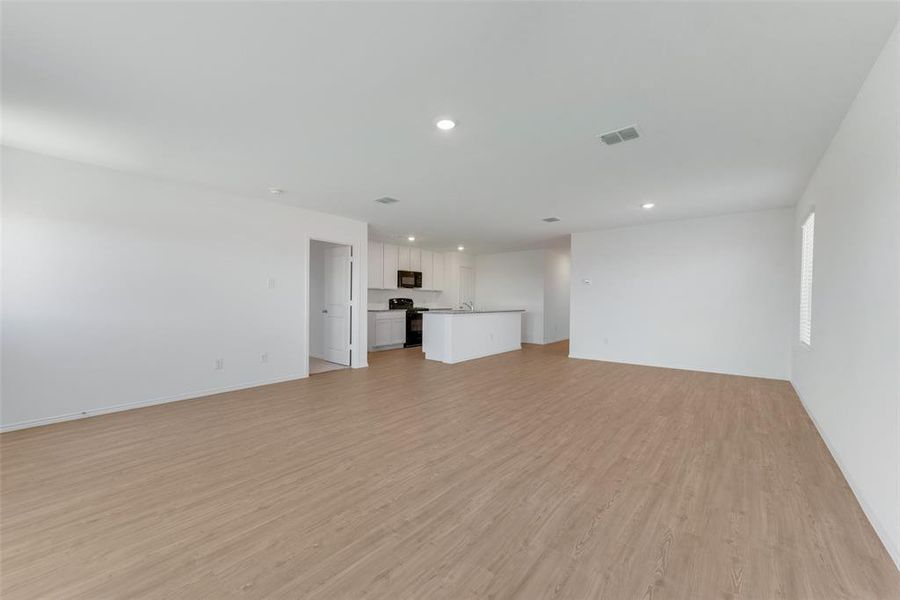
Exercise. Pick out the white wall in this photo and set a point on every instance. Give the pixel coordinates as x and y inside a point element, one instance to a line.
<point>455,260</point>
<point>120,290</point>
<point>514,280</point>
<point>710,294</point>
<point>557,287</point>
<point>536,280</point>
<point>849,378</point>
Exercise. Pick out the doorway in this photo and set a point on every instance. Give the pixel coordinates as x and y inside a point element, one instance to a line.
<point>330,301</point>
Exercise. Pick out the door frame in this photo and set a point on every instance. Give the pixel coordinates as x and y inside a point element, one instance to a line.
<point>354,300</point>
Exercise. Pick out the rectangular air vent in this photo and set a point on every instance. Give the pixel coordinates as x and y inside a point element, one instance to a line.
<point>620,135</point>
<point>611,138</point>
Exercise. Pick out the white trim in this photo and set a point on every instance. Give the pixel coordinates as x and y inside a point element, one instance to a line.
<point>879,528</point>
<point>93,412</point>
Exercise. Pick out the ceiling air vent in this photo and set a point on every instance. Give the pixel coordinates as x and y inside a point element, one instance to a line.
<point>386,200</point>
<point>550,219</point>
<point>620,135</point>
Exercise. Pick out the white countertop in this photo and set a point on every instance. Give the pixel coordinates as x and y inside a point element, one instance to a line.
<point>477,311</point>
<point>403,309</point>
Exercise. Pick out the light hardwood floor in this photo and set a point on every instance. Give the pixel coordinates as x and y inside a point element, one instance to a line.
<point>524,475</point>
<point>317,365</point>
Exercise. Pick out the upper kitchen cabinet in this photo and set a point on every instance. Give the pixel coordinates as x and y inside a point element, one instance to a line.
<point>376,265</point>
<point>390,266</point>
<point>386,259</point>
<point>438,271</point>
<point>403,258</point>
<point>427,268</point>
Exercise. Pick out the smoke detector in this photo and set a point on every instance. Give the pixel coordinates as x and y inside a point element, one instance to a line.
<point>386,200</point>
<point>619,135</point>
<point>550,219</point>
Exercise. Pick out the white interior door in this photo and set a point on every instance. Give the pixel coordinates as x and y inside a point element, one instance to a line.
<point>466,284</point>
<point>337,305</point>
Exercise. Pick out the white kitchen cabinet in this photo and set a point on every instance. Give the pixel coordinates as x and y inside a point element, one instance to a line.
<point>398,329</point>
<point>376,265</point>
<point>382,332</point>
<point>389,267</point>
<point>438,276</point>
<point>403,258</point>
<point>387,329</point>
<point>415,259</point>
<point>427,268</point>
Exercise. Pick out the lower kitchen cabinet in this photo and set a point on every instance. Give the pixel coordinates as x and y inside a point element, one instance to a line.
<point>387,329</point>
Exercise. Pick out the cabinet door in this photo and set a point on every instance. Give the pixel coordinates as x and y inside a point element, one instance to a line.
<point>427,270</point>
<point>376,265</point>
<point>398,330</point>
<point>438,268</point>
<point>415,259</point>
<point>390,267</point>
<point>383,332</point>
<point>403,258</point>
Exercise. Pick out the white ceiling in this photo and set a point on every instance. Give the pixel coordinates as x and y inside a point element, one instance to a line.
<point>335,103</point>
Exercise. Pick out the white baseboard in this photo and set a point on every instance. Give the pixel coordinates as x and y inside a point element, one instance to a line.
<point>93,412</point>
<point>877,525</point>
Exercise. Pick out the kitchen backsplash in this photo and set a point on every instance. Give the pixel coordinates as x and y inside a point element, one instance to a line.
<point>379,298</point>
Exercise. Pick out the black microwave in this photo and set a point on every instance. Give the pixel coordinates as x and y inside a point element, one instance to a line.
<point>409,279</point>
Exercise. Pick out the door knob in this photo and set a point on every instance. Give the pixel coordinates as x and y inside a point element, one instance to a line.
<point>324,311</point>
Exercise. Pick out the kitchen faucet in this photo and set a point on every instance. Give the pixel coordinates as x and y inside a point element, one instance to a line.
<point>469,305</point>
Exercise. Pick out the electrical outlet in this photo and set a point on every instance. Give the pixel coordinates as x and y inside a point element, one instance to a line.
<point>271,283</point>
<point>220,364</point>
<point>264,357</point>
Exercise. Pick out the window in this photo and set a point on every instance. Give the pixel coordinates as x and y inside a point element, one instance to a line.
<point>806,275</point>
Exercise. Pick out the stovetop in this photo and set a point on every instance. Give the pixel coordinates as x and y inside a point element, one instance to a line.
<point>407,305</point>
<point>400,303</point>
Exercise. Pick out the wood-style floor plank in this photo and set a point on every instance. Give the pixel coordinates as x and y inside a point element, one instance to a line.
<point>524,475</point>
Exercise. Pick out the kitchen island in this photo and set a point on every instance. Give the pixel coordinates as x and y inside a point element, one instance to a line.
<point>453,336</point>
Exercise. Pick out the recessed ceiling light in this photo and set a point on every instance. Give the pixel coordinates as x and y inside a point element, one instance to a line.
<point>550,219</point>
<point>460,248</point>
<point>411,238</point>
<point>647,205</point>
<point>445,124</point>
<point>276,191</point>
